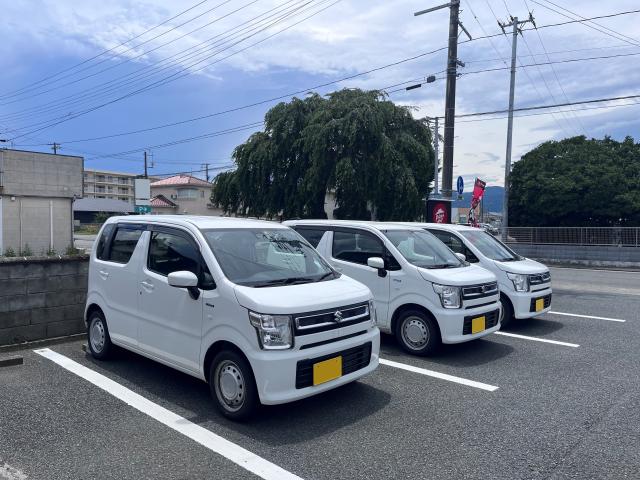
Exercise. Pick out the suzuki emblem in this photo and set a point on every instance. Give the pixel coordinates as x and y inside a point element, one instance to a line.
<point>338,316</point>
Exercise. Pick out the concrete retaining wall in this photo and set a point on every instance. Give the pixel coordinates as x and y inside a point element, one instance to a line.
<point>42,298</point>
<point>585,255</point>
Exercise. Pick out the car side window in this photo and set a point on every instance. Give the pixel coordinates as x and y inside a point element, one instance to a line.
<point>124,243</point>
<point>169,252</point>
<point>311,235</point>
<point>356,246</point>
<point>101,252</point>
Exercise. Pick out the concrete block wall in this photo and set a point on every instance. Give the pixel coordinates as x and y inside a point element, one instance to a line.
<point>42,298</point>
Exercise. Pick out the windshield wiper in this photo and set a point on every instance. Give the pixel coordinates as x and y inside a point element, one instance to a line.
<point>442,265</point>
<point>326,275</point>
<point>284,281</point>
<point>510,259</point>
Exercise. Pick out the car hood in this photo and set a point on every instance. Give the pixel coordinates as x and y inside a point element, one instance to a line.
<point>522,266</point>
<point>305,297</point>
<point>470,275</point>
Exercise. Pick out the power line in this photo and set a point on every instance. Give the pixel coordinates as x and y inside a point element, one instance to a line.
<point>614,34</point>
<point>128,50</point>
<point>314,87</point>
<point>526,73</point>
<point>188,70</point>
<point>109,50</point>
<point>539,107</point>
<point>149,71</point>
<point>548,113</point>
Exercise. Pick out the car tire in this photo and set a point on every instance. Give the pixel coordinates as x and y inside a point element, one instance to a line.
<point>507,312</point>
<point>417,333</point>
<point>98,338</point>
<point>233,386</point>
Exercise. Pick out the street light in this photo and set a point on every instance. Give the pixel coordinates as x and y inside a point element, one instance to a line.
<point>430,79</point>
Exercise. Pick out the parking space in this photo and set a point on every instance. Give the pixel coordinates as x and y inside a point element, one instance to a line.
<point>504,406</point>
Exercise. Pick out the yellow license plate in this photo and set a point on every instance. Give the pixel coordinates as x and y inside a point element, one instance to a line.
<point>327,370</point>
<point>478,324</point>
<point>539,304</point>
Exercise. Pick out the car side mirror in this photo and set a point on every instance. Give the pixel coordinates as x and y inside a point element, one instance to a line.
<point>378,264</point>
<point>461,256</point>
<point>185,279</point>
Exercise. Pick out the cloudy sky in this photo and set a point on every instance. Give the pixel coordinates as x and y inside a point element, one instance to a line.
<point>74,71</point>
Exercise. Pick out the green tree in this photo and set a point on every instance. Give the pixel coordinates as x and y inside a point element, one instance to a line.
<point>375,156</point>
<point>577,182</point>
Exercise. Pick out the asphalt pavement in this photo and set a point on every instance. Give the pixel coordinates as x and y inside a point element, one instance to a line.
<point>560,410</point>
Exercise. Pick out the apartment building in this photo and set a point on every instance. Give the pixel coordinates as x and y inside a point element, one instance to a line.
<point>107,184</point>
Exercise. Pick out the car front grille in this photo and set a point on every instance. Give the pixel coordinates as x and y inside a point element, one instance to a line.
<point>539,278</point>
<point>547,302</point>
<point>353,359</point>
<point>490,320</point>
<point>473,292</point>
<point>323,320</point>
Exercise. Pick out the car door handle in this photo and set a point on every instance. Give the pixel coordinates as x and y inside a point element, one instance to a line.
<point>147,286</point>
<point>104,274</point>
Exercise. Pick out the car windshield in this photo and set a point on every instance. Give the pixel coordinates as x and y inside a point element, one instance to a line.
<point>267,257</point>
<point>423,249</point>
<point>490,246</point>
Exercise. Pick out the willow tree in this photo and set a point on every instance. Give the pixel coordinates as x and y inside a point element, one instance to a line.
<point>375,156</point>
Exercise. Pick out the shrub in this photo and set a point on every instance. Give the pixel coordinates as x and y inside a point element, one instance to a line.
<point>51,252</point>
<point>26,251</point>
<point>9,252</point>
<point>71,250</point>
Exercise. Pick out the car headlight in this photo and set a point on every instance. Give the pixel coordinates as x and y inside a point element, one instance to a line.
<point>372,313</point>
<point>274,331</point>
<point>449,296</point>
<point>520,281</point>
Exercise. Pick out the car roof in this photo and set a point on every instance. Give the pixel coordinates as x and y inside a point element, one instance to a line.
<point>356,223</point>
<point>201,222</point>
<point>442,226</point>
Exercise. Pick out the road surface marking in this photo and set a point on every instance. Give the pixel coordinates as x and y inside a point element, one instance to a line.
<point>536,339</point>
<point>441,376</point>
<point>588,316</point>
<point>595,269</point>
<point>238,455</point>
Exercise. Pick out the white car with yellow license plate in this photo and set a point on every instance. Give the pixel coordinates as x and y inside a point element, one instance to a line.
<point>424,293</point>
<point>246,305</point>
<point>525,285</point>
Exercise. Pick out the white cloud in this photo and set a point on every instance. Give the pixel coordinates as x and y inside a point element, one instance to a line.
<point>355,36</point>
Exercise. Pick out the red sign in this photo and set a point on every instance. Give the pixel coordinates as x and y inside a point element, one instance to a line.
<point>440,213</point>
<point>478,192</point>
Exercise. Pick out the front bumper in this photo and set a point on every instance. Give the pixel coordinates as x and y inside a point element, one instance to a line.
<point>452,322</point>
<point>275,371</point>
<point>521,302</point>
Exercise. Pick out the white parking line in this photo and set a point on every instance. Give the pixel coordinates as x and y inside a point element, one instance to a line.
<point>238,455</point>
<point>536,339</point>
<point>588,316</point>
<point>441,376</point>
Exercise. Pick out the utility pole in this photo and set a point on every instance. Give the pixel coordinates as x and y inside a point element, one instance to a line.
<point>450,97</point>
<point>55,146</point>
<point>206,167</point>
<point>515,23</point>
<point>145,165</point>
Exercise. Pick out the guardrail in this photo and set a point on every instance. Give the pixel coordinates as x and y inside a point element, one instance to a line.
<point>615,236</point>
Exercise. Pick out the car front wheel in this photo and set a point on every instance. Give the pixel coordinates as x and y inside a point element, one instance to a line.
<point>417,333</point>
<point>233,386</point>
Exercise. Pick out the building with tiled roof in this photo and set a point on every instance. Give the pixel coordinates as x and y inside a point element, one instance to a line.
<point>182,194</point>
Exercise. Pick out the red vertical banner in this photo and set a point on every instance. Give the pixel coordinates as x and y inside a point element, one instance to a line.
<point>478,192</point>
